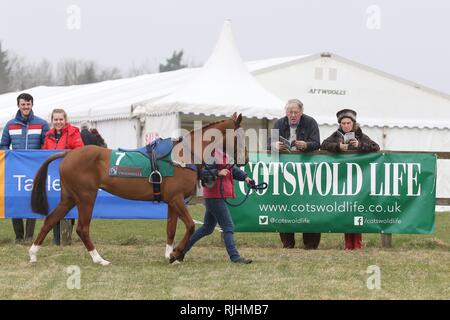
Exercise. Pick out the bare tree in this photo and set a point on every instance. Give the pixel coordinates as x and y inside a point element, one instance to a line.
<point>109,74</point>
<point>77,71</point>
<point>194,64</point>
<point>16,73</point>
<point>68,72</point>
<point>42,74</point>
<point>24,75</point>
<point>143,68</point>
<point>4,71</point>
<point>20,73</point>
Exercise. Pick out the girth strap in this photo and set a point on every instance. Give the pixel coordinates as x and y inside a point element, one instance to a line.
<point>155,178</point>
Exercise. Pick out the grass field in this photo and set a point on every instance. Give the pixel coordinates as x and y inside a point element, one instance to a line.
<point>417,267</point>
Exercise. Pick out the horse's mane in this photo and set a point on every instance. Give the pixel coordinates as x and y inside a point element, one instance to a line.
<point>213,123</point>
<point>208,125</point>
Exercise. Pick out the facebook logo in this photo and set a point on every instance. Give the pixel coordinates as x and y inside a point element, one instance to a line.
<point>358,221</point>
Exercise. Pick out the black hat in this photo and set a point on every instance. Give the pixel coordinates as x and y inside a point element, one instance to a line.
<point>346,113</point>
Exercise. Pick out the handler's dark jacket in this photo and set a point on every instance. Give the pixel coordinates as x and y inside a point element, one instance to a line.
<point>365,143</point>
<point>307,130</point>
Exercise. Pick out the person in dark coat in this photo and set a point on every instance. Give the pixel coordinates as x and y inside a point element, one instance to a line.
<point>91,136</point>
<point>349,137</point>
<point>86,135</point>
<point>303,134</point>
<point>99,141</point>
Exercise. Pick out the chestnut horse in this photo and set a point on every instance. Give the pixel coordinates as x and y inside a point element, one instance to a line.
<point>84,171</point>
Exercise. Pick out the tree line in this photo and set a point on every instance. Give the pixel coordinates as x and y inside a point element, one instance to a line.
<point>16,73</point>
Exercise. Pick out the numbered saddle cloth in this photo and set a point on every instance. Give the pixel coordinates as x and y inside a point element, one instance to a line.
<point>134,164</point>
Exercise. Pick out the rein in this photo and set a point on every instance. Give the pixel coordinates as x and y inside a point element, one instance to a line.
<point>256,187</point>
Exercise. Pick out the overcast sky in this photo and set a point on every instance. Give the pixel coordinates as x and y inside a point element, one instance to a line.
<point>409,39</point>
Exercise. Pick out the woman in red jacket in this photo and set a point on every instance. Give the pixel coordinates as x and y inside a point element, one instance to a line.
<point>62,136</point>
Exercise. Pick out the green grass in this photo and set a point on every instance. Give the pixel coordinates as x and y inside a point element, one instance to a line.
<point>417,267</point>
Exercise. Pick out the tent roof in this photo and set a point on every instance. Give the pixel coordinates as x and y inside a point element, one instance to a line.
<point>222,86</point>
<point>105,100</point>
<point>266,65</point>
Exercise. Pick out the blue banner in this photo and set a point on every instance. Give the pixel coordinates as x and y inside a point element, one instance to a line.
<point>19,168</point>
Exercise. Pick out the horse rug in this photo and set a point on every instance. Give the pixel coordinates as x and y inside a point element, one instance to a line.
<point>134,164</point>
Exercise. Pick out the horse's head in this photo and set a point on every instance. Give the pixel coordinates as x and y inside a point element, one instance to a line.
<point>227,135</point>
<point>234,139</point>
<point>240,151</point>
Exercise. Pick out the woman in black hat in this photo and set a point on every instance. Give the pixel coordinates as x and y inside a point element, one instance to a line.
<point>349,137</point>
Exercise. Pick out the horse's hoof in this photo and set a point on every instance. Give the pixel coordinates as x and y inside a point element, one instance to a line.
<point>105,263</point>
<point>102,262</point>
<point>176,260</point>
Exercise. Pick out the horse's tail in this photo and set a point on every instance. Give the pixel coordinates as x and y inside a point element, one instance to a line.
<point>39,202</point>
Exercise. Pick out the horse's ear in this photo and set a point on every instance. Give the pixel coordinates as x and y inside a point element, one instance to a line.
<point>239,119</point>
<point>234,116</point>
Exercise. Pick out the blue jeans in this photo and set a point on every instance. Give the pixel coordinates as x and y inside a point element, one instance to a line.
<point>216,212</point>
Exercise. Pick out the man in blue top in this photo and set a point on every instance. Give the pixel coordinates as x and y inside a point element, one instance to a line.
<point>25,131</point>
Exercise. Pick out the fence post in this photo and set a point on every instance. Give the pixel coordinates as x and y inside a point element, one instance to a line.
<point>386,240</point>
<point>66,232</point>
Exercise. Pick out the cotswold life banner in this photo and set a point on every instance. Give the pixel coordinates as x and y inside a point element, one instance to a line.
<point>374,192</point>
<point>17,171</point>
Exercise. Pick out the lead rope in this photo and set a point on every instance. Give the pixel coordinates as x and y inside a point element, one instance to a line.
<point>253,186</point>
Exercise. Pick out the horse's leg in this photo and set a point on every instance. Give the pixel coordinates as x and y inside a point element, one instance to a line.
<point>56,215</point>
<point>171,230</point>
<point>85,208</point>
<point>183,213</point>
